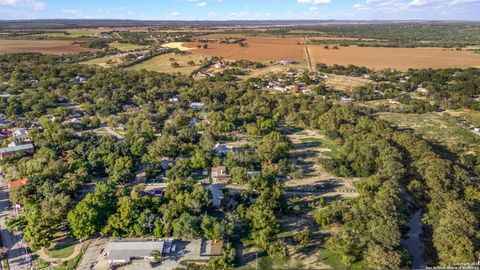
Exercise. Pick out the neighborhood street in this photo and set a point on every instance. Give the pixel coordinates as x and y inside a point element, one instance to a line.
<point>18,257</point>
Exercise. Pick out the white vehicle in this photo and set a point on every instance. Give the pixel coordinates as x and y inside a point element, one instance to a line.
<point>174,247</point>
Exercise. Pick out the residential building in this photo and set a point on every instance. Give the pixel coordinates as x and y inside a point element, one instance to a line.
<point>217,194</point>
<point>221,150</point>
<point>125,251</point>
<point>17,183</point>
<point>20,135</point>
<point>219,174</point>
<point>210,248</point>
<point>197,105</point>
<point>10,151</point>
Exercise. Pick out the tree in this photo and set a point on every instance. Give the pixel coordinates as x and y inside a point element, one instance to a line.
<point>91,213</point>
<point>272,147</point>
<point>186,226</point>
<point>212,229</point>
<point>175,65</point>
<point>122,171</point>
<point>303,237</point>
<point>456,234</point>
<point>378,257</point>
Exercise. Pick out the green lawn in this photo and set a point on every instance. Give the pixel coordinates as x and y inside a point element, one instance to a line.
<point>126,46</point>
<point>325,142</point>
<point>438,128</point>
<point>61,250</point>
<point>163,63</point>
<point>335,261</point>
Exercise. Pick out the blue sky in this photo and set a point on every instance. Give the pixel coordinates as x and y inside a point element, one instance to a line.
<point>241,9</point>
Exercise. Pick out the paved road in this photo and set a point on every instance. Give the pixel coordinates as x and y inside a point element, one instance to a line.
<point>91,256</point>
<point>18,257</point>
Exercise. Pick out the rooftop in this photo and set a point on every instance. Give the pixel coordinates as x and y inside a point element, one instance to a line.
<point>16,148</point>
<point>126,250</point>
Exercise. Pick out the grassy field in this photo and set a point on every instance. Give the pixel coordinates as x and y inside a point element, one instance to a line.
<point>163,63</point>
<point>435,127</point>
<point>103,61</point>
<point>473,117</point>
<point>176,45</point>
<point>345,83</point>
<point>126,46</point>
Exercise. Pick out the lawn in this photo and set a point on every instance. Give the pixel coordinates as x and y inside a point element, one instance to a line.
<point>325,142</point>
<point>438,128</point>
<point>61,250</point>
<point>126,46</point>
<point>334,260</point>
<point>163,63</point>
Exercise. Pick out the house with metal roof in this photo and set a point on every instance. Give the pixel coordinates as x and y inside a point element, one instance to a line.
<point>10,151</point>
<point>125,251</point>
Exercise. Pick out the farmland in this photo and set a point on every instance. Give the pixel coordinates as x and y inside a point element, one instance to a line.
<point>271,49</point>
<point>396,58</point>
<point>258,49</point>
<point>41,46</point>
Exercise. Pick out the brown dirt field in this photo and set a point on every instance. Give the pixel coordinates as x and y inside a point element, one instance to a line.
<point>258,49</point>
<point>272,48</point>
<point>41,46</point>
<point>397,58</point>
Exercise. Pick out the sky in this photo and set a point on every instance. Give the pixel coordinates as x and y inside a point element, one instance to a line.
<point>242,9</point>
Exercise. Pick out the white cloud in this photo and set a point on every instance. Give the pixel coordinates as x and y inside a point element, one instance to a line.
<point>175,14</point>
<point>461,2</point>
<point>314,2</point>
<point>35,4</point>
<point>201,4</point>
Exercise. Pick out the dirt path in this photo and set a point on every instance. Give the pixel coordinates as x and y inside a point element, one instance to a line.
<point>309,58</point>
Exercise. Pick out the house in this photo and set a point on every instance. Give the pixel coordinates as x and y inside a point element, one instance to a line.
<point>217,194</point>
<point>194,122</point>
<point>307,92</point>
<point>17,183</point>
<point>13,144</point>
<point>219,174</point>
<point>197,105</point>
<point>165,164</point>
<point>20,135</point>
<point>125,251</point>
<point>79,79</point>
<point>221,150</point>
<point>422,90</point>
<point>210,248</point>
<point>10,151</point>
<point>174,99</point>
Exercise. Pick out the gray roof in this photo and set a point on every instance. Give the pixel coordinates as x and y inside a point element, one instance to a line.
<point>22,147</point>
<point>126,250</point>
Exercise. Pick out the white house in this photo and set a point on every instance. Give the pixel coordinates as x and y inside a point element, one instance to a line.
<point>197,105</point>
